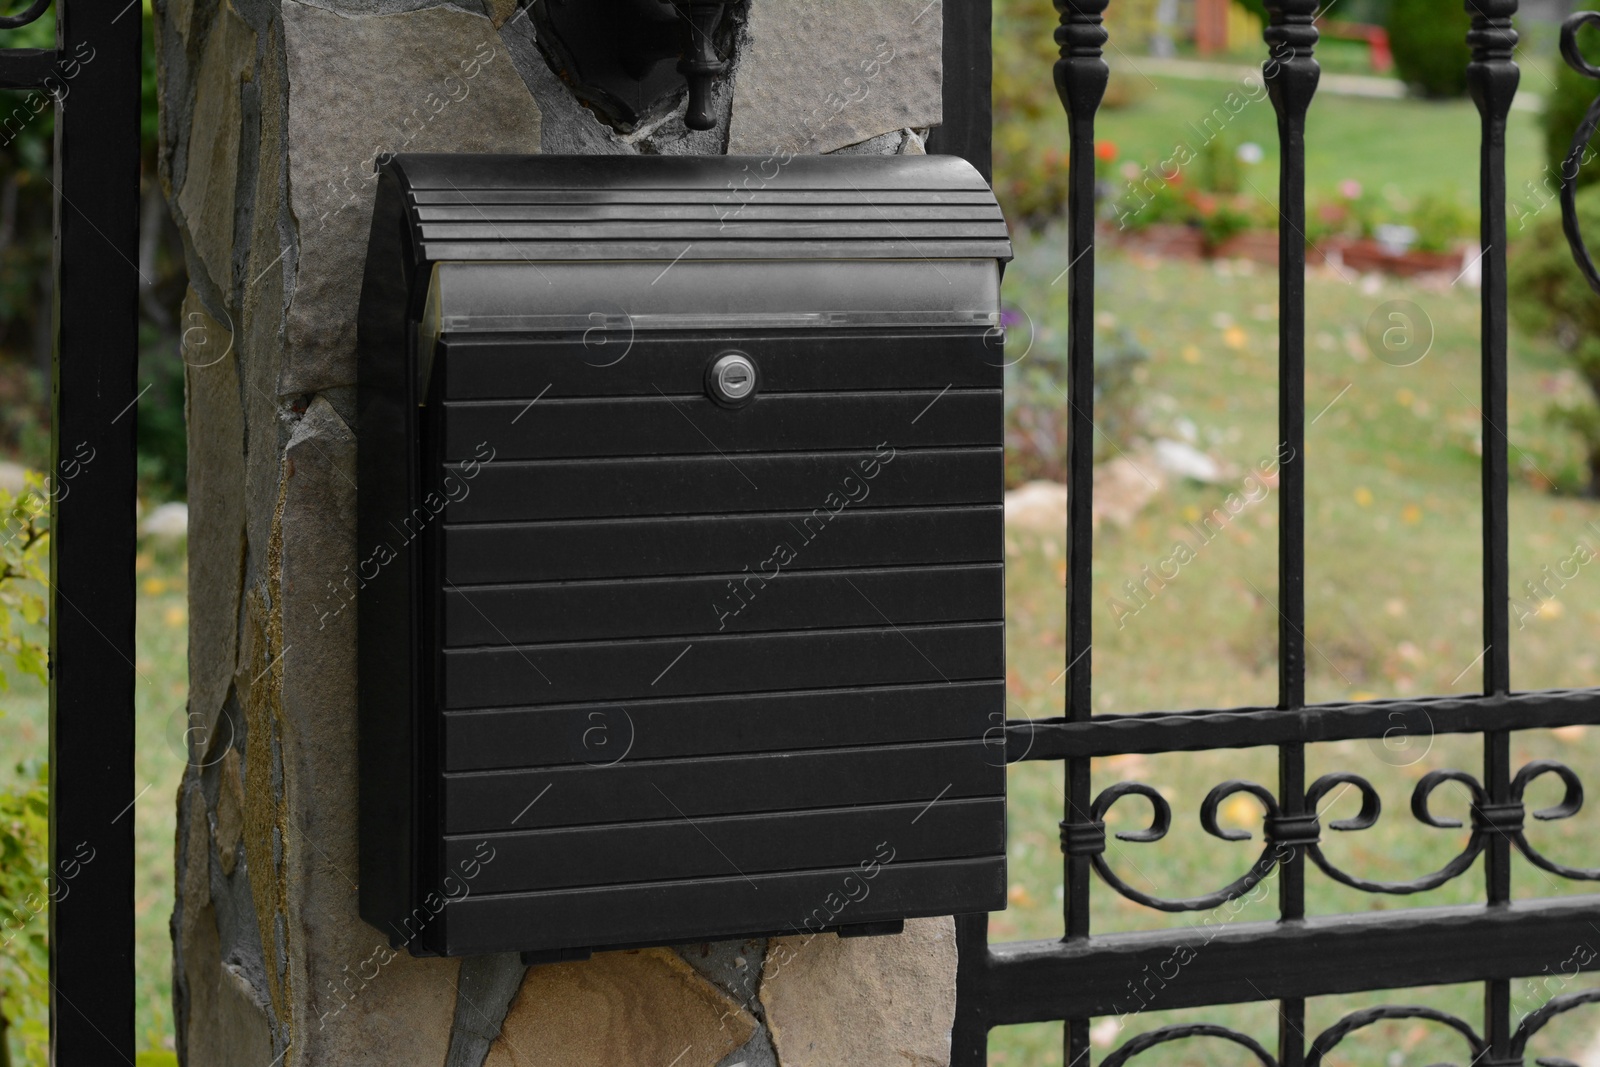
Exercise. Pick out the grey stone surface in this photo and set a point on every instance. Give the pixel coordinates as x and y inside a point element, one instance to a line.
<point>907,142</point>
<point>354,1001</point>
<point>757,1052</point>
<point>487,985</point>
<point>827,998</point>
<point>225,1018</point>
<point>431,80</point>
<point>179,14</point>
<point>206,200</point>
<point>268,259</point>
<point>192,895</point>
<point>216,516</point>
<point>232,900</point>
<point>378,7</point>
<point>817,75</point>
<point>230,811</point>
<point>732,966</point>
<point>501,11</point>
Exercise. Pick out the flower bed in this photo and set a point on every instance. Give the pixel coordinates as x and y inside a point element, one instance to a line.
<point>1359,254</point>
<point>1215,210</point>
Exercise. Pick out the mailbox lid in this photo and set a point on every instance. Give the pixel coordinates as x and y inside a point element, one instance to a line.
<point>686,208</point>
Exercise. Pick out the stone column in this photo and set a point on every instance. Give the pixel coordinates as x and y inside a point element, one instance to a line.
<point>272,114</point>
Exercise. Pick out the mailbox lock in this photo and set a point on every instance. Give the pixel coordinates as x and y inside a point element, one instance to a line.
<point>732,380</point>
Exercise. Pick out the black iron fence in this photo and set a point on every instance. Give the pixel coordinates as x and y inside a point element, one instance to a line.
<point>1084,975</point>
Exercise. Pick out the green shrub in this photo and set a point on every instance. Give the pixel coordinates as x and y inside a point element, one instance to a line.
<point>1564,108</point>
<point>24,899</point>
<point>1548,295</point>
<point>1441,222</point>
<point>1036,400</point>
<point>1429,41</point>
<point>24,815</point>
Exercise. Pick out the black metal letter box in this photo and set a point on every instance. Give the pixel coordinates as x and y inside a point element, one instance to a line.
<point>680,556</point>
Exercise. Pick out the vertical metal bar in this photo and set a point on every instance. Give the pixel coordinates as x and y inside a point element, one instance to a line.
<point>968,81</point>
<point>1081,76</point>
<point>969,1037</point>
<point>92,524</point>
<point>967,132</point>
<point>1492,78</point>
<point>1291,74</point>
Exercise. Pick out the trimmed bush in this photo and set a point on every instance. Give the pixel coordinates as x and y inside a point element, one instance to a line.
<point>1548,295</point>
<point>1429,41</point>
<point>1564,108</point>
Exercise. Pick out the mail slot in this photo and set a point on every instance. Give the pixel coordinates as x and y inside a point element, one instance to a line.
<point>681,605</point>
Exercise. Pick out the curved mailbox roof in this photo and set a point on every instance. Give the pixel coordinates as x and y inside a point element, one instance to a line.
<point>553,208</point>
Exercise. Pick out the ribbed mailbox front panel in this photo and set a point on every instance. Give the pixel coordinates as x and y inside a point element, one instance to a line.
<point>645,661</point>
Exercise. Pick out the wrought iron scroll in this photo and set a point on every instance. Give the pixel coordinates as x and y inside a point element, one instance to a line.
<point>1356,1020</point>
<point>1286,835</point>
<point>1089,840</point>
<point>1323,1044</point>
<point>1534,1021</point>
<point>31,14</point>
<point>1161,1036</point>
<point>1580,144</point>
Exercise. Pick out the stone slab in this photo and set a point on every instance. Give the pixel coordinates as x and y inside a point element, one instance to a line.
<point>643,1007</point>
<point>355,1001</point>
<point>432,80</point>
<point>207,197</point>
<point>885,1000</point>
<point>216,520</point>
<point>817,75</point>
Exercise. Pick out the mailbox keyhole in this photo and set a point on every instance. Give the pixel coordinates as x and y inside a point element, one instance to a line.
<point>732,380</point>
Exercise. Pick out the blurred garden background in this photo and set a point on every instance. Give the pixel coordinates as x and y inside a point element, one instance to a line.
<point>1186,407</point>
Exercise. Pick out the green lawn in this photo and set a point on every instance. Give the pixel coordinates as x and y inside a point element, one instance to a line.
<point>1392,600</point>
